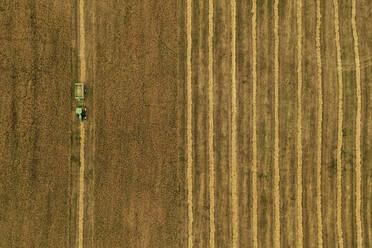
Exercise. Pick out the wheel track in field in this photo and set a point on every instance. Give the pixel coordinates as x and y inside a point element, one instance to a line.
<point>339,127</point>
<point>82,128</point>
<point>276,129</point>
<point>234,174</point>
<point>357,129</point>
<point>319,130</point>
<point>81,185</point>
<point>211,128</point>
<point>299,240</point>
<point>254,127</point>
<point>189,127</point>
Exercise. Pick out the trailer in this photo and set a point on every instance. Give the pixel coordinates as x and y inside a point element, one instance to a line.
<point>80,91</point>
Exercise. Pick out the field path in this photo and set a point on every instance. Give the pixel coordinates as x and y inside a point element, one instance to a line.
<point>339,128</point>
<point>357,130</point>
<point>319,130</point>
<point>254,123</point>
<point>299,242</point>
<point>189,126</point>
<point>81,185</point>
<point>234,176</point>
<point>276,129</point>
<point>82,42</point>
<point>211,127</point>
<point>82,128</point>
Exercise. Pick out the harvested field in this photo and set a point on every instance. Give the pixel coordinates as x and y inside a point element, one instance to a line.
<point>209,123</point>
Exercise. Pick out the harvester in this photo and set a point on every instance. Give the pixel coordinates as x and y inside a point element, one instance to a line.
<point>81,113</point>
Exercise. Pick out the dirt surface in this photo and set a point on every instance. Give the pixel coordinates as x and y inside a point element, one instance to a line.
<point>223,133</point>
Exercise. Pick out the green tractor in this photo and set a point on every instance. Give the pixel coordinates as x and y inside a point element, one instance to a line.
<point>81,113</point>
<point>80,92</point>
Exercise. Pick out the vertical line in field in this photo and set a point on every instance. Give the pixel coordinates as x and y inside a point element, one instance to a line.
<point>357,129</point>
<point>211,126</point>
<point>94,136</point>
<point>189,127</point>
<point>82,41</point>
<point>299,125</point>
<point>81,185</point>
<point>319,129</point>
<point>254,131</point>
<point>276,138</point>
<point>82,129</point>
<point>339,126</point>
<point>234,190</point>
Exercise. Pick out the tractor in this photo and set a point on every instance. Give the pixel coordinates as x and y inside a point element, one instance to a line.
<point>81,113</point>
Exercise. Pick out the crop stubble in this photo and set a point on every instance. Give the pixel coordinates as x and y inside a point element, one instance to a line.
<point>222,105</point>
<point>234,116</point>
<point>287,121</point>
<point>319,129</point>
<point>276,180</point>
<point>349,112</point>
<point>254,124</point>
<point>211,126</point>
<point>200,116</point>
<point>339,126</point>
<point>363,20</point>
<point>189,134</point>
<point>265,123</point>
<point>357,130</point>
<point>299,233</point>
<point>244,53</point>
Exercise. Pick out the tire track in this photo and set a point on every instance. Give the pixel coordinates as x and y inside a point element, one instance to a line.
<point>254,127</point>
<point>234,184</point>
<point>319,129</point>
<point>211,127</point>
<point>82,42</point>
<point>276,129</point>
<point>82,128</point>
<point>81,185</point>
<point>299,241</point>
<point>189,127</point>
<point>357,129</point>
<point>339,131</point>
<point>94,114</point>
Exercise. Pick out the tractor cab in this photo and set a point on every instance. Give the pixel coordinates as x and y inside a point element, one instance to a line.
<point>81,113</point>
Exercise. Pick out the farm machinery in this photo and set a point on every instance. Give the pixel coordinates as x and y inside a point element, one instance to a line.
<point>81,113</point>
<point>80,91</point>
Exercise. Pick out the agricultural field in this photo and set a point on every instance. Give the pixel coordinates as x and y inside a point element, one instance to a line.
<point>35,123</point>
<point>209,123</point>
